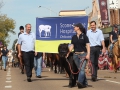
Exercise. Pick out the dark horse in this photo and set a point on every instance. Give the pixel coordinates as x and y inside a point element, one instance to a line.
<point>54,61</point>
<point>67,63</point>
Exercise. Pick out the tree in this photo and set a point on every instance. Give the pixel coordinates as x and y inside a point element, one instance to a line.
<point>7,26</point>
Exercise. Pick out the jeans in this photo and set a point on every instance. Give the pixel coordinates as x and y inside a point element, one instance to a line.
<point>38,65</point>
<point>111,45</point>
<point>78,58</point>
<point>4,59</point>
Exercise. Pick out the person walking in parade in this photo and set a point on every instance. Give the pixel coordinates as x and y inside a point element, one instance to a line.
<point>26,44</point>
<point>4,54</point>
<point>38,63</point>
<point>80,44</point>
<point>10,58</point>
<point>96,38</point>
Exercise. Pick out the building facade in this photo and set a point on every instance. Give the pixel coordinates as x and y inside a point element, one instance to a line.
<point>95,14</point>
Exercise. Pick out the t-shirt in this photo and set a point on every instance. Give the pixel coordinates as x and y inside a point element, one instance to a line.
<point>5,52</point>
<point>115,35</point>
<point>80,43</point>
<point>39,54</point>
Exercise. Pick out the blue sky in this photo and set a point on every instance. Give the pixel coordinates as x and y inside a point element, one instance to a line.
<point>26,11</point>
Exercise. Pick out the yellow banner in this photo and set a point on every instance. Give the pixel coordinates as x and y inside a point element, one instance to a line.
<point>49,46</point>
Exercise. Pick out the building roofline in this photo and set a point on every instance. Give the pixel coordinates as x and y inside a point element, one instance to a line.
<point>70,10</point>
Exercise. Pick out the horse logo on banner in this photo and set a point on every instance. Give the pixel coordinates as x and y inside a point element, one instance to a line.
<point>46,29</point>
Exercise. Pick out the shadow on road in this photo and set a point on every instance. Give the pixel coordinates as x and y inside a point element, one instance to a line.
<point>49,79</point>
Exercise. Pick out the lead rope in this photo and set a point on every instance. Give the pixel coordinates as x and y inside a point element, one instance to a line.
<point>89,62</point>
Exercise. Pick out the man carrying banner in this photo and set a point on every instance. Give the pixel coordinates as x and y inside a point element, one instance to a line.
<point>26,43</point>
<point>96,38</point>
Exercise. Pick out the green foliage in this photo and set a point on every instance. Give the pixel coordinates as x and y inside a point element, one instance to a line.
<point>7,25</point>
<point>106,30</point>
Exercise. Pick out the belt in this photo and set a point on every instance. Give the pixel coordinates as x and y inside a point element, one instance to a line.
<point>28,51</point>
<point>79,52</point>
<point>96,46</point>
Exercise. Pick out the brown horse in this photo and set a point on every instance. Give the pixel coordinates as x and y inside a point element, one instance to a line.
<point>116,54</point>
<point>20,60</point>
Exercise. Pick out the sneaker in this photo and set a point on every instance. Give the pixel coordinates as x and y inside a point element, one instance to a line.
<point>88,85</point>
<point>22,71</point>
<point>80,85</point>
<point>39,76</point>
<point>94,79</point>
<point>29,79</point>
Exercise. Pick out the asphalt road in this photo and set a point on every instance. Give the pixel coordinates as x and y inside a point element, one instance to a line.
<point>13,80</point>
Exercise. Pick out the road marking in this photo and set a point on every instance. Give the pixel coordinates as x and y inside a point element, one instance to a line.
<point>112,81</point>
<point>8,75</point>
<point>8,78</point>
<point>8,86</point>
<point>8,81</point>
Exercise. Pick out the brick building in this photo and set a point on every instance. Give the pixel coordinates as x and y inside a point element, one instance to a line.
<point>115,16</point>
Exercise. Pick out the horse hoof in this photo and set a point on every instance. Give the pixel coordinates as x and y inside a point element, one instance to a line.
<point>70,86</point>
<point>22,72</point>
<point>55,71</point>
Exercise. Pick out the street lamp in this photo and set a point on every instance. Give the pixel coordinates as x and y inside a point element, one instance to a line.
<point>48,9</point>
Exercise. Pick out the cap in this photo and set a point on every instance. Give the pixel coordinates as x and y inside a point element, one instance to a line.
<point>116,26</point>
<point>21,27</point>
<point>78,25</point>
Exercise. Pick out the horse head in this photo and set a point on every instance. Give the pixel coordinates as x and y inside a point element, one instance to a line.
<point>119,41</point>
<point>63,49</point>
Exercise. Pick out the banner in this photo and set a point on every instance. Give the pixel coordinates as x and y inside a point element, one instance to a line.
<point>104,12</point>
<point>52,31</point>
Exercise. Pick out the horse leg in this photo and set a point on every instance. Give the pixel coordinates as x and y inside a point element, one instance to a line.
<point>71,80</point>
<point>45,34</point>
<point>55,64</point>
<point>58,65</point>
<point>22,69</point>
<point>74,80</point>
<point>48,61</point>
<point>51,65</point>
<point>116,63</point>
<point>61,65</point>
